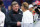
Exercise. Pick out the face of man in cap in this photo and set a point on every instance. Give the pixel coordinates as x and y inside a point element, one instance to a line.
<point>30,7</point>
<point>15,7</point>
<point>39,9</point>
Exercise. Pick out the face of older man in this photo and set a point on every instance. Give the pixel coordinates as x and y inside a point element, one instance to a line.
<point>15,7</point>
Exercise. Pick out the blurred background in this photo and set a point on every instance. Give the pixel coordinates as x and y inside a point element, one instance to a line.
<point>8,2</point>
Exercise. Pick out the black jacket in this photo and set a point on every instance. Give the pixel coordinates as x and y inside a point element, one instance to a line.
<point>3,10</point>
<point>13,18</point>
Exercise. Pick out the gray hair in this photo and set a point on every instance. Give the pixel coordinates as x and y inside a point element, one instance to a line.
<point>14,3</point>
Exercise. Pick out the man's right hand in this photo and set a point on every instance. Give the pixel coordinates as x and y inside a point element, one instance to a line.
<point>18,23</point>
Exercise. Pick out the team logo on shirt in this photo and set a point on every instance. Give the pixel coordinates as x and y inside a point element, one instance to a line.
<point>19,13</point>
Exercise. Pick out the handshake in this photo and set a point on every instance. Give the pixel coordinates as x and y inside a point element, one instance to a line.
<point>18,23</point>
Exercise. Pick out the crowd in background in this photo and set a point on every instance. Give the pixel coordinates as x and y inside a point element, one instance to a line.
<point>13,13</point>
